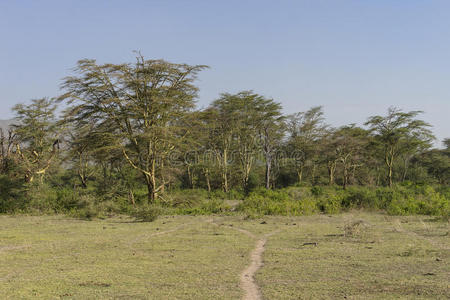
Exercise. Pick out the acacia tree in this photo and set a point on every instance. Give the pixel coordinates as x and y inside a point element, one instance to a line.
<point>329,155</point>
<point>202,153</point>
<point>220,132</point>
<point>193,146</point>
<point>236,114</point>
<point>271,128</point>
<point>81,144</point>
<point>138,104</point>
<point>244,123</point>
<point>305,131</point>
<point>398,133</point>
<point>37,137</point>
<point>349,147</point>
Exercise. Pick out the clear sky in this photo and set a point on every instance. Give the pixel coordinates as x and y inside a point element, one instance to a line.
<point>356,58</point>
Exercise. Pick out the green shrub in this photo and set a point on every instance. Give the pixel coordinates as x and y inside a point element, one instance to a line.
<point>206,207</point>
<point>402,206</point>
<point>42,198</point>
<point>418,199</point>
<point>12,195</point>
<point>146,213</point>
<point>384,197</point>
<point>357,197</point>
<point>217,194</point>
<point>298,193</point>
<point>277,202</point>
<point>308,206</point>
<point>235,194</point>
<point>230,195</point>
<point>317,190</point>
<point>330,204</point>
<point>399,200</point>
<point>274,195</point>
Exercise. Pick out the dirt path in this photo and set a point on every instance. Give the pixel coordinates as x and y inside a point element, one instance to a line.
<point>247,277</point>
<point>248,283</point>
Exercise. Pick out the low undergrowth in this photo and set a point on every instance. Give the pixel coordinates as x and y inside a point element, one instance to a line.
<point>406,199</point>
<point>398,200</point>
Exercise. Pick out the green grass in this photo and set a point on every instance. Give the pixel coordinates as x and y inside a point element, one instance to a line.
<point>55,257</point>
<point>356,255</point>
<point>379,257</point>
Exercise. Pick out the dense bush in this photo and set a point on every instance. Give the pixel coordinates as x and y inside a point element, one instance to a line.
<point>399,200</point>
<point>12,196</point>
<point>277,202</point>
<point>423,200</point>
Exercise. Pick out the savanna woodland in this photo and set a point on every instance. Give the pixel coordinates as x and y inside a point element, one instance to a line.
<point>128,139</point>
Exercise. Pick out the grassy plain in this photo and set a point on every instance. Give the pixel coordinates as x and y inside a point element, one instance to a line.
<point>353,255</point>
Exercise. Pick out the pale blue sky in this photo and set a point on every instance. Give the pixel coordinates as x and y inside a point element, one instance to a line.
<point>356,58</point>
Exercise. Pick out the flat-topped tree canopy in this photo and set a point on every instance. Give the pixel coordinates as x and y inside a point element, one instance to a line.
<point>136,106</point>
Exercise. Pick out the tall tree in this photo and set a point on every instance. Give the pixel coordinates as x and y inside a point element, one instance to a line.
<point>37,135</point>
<point>139,104</point>
<point>350,142</point>
<point>220,131</point>
<point>271,131</point>
<point>305,131</point>
<point>245,123</point>
<point>329,154</point>
<point>398,133</point>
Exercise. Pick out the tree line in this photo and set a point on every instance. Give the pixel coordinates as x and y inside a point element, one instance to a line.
<point>126,126</point>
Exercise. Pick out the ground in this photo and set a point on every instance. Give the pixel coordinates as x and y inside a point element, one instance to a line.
<point>347,256</point>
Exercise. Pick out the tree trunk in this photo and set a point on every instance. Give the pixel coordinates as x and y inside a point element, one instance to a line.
<point>405,171</point>
<point>83,180</point>
<point>225,172</point>
<point>345,179</point>
<point>353,181</point>
<point>313,174</point>
<point>389,159</point>
<point>225,182</point>
<point>390,175</point>
<point>131,196</point>
<point>300,174</point>
<point>331,170</point>
<point>268,169</point>
<point>208,183</point>
<point>246,177</point>
<point>150,179</point>
<point>151,191</point>
<point>190,177</point>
